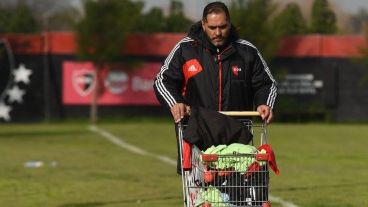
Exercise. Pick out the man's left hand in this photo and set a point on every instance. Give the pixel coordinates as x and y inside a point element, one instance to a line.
<point>266,113</point>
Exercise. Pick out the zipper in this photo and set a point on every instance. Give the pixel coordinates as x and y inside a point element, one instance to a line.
<point>220,83</point>
<point>220,77</point>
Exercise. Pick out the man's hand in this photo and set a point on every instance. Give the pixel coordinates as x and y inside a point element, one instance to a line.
<point>266,113</point>
<point>179,110</point>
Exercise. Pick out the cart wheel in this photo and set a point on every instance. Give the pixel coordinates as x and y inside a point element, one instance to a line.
<point>206,204</point>
<point>266,204</point>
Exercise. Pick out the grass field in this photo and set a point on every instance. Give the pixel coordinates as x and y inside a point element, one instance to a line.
<point>321,165</point>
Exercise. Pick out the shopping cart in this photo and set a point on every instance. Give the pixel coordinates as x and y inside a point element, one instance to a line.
<point>207,182</point>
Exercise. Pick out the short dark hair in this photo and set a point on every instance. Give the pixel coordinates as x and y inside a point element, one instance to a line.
<point>215,7</point>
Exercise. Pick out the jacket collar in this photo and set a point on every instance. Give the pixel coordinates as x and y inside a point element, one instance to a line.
<point>196,32</point>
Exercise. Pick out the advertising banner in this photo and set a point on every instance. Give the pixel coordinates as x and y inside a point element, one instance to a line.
<point>121,85</point>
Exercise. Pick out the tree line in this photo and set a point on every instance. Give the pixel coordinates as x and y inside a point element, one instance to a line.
<point>262,22</point>
<point>30,16</point>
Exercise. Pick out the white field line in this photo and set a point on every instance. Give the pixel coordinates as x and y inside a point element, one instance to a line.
<point>281,201</point>
<point>134,149</point>
<point>121,143</point>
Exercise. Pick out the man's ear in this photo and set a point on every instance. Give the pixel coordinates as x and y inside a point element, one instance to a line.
<point>203,25</point>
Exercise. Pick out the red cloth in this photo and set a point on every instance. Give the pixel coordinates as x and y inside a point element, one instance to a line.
<point>271,157</point>
<point>271,160</point>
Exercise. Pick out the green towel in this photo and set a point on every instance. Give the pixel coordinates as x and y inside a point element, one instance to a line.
<point>240,163</point>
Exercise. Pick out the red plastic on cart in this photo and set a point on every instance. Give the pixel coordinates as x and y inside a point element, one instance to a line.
<point>208,176</point>
<point>266,204</point>
<point>187,153</point>
<point>209,157</point>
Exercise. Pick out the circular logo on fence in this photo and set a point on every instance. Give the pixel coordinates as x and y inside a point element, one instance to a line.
<point>117,81</point>
<point>84,81</point>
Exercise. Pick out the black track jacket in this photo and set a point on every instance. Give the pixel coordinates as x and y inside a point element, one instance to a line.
<point>232,78</point>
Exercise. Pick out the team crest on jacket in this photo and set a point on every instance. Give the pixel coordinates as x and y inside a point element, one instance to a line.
<point>236,70</point>
<point>191,68</point>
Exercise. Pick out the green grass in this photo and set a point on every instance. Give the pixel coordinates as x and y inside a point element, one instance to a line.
<point>321,165</point>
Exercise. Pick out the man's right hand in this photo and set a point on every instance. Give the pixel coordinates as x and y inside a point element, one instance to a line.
<point>178,111</point>
<point>266,113</point>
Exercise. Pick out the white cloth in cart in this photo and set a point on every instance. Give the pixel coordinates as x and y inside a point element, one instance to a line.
<point>239,164</point>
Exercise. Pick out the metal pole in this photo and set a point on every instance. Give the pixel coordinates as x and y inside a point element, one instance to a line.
<point>46,70</point>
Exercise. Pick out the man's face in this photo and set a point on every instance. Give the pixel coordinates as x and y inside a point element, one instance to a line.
<point>217,28</point>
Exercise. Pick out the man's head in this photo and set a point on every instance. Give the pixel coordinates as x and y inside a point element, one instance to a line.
<point>216,23</point>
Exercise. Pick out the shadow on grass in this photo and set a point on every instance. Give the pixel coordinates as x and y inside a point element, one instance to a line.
<point>131,201</point>
<point>343,185</point>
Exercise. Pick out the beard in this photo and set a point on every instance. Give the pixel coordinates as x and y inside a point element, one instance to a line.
<point>217,42</point>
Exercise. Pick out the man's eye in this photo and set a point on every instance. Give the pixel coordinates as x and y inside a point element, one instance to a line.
<point>212,28</point>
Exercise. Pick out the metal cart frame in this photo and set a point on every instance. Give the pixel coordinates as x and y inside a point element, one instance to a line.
<point>207,185</point>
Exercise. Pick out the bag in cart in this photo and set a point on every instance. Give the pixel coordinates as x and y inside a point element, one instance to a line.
<point>233,174</point>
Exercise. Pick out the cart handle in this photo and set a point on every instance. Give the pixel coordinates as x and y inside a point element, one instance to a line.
<point>249,113</point>
<point>241,113</point>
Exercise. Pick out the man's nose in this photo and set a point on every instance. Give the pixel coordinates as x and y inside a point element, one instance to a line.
<point>217,31</point>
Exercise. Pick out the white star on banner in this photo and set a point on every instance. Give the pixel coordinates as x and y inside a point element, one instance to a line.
<point>15,94</point>
<point>4,111</point>
<point>22,74</point>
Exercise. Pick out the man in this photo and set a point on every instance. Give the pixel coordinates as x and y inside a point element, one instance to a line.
<point>214,69</point>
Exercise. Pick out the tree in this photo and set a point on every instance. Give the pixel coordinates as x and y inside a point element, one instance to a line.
<point>31,16</point>
<point>253,21</point>
<point>358,21</point>
<point>176,21</point>
<point>323,19</point>
<point>290,21</point>
<point>102,33</point>
<point>18,19</point>
<point>62,20</point>
<point>153,21</point>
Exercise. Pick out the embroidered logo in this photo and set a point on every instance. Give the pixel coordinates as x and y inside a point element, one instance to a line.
<point>236,70</point>
<point>191,68</point>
